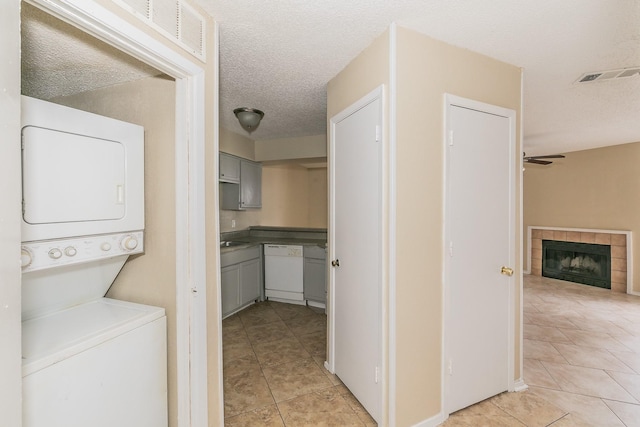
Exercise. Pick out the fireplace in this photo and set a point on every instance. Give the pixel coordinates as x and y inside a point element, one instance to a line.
<point>585,263</point>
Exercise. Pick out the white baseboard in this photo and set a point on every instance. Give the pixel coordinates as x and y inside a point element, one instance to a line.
<point>519,385</point>
<point>434,421</point>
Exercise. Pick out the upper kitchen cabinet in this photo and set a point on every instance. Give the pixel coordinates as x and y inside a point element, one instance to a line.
<point>245,192</point>
<point>229,168</point>
<point>250,184</point>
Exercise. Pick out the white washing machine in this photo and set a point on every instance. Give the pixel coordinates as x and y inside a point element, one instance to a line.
<point>99,364</point>
<point>87,360</point>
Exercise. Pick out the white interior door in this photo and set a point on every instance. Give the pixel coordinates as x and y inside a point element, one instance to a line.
<point>480,215</point>
<point>356,239</point>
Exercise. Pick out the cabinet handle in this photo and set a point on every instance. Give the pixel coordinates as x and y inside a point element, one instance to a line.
<point>335,263</point>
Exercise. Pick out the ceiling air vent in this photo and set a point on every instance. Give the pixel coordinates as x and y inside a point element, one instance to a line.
<point>599,76</point>
<point>175,19</point>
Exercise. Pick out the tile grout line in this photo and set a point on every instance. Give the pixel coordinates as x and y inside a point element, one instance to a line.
<point>625,389</point>
<point>244,326</point>
<point>614,412</point>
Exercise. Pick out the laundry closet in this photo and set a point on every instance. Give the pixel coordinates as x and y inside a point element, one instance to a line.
<point>98,276</point>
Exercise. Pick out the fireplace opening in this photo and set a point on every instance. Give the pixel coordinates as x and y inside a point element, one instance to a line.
<point>584,263</point>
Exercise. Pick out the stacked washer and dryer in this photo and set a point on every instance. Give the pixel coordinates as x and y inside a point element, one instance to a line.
<point>88,360</point>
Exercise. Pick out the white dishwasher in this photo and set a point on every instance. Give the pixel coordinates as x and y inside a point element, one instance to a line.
<point>283,273</point>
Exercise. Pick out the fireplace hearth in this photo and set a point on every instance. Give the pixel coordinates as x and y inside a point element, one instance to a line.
<point>585,263</point>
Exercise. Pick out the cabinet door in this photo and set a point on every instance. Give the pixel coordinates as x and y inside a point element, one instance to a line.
<point>314,279</point>
<point>250,184</point>
<point>230,196</point>
<point>230,288</point>
<point>229,168</point>
<point>250,280</point>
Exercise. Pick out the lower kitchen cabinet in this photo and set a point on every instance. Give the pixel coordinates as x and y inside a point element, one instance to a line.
<point>250,280</point>
<point>241,275</point>
<point>315,273</point>
<point>230,288</point>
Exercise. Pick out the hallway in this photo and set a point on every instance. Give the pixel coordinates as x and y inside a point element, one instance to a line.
<point>273,370</point>
<point>581,363</point>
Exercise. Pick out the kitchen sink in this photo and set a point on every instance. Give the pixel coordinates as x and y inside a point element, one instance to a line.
<point>228,244</point>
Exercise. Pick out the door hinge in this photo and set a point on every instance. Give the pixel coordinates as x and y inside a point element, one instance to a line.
<point>377,374</point>
<point>450,367</point>
<point>450,249</point>
<point>23,209</point>
<point>451,138</point>
<point>378,133</point>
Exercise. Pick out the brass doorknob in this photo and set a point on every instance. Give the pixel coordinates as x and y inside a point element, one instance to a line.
<point>506,271</point>
<point>335,263</point>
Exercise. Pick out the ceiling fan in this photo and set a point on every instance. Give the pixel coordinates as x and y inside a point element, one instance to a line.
<point>537,159</point>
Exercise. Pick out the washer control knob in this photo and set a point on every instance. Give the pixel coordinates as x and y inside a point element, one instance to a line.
<point>55,253</point>
<point>70,251</point>
<point>25,257</point>
<point>129,243</point>
<point>105,246</point>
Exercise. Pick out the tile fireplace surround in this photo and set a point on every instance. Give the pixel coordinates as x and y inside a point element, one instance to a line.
<point>620,241</point>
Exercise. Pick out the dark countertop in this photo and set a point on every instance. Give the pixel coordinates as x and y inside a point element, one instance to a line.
<point>274,235</point>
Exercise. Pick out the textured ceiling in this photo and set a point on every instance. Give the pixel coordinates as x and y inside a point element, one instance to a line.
<point>59,60</point>
<point>279,56</point>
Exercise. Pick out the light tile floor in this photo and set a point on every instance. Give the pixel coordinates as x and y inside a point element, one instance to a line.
<point>274,371</point>
<point>581,361</point>
<point>581,349</point>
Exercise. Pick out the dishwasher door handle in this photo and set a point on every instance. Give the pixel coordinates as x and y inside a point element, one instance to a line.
<point>335,263</point>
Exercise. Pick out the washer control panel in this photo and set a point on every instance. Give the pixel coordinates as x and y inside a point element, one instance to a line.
<point>52,253</point>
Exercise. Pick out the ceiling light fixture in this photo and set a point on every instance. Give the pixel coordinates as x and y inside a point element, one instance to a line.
<point>249,118</point>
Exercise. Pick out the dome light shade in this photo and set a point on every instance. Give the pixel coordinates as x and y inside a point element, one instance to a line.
<point>249,118</point>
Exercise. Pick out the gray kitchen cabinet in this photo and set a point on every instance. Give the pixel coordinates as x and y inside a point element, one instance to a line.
<point>241,275</point>
<point>315,273</point>
<point>246,192</point>
<point>230,288</point>
<point>229,168</point>
<point>250,184</point>
<point>250,280</point>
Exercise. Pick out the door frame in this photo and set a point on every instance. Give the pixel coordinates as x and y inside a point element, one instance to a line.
<point>96,20</point>
<point>451,101</point>
<point>10,217</point>
<point>377,93</point>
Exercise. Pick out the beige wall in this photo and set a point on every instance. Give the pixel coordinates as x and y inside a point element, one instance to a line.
<point>292,195</point>
<point>236,144</point>
<point>303,147</point>
<point>426,70</point>
<point>149,278</point>
<point>285,196</point>
<point>595,188</point>
<point>318,198</point>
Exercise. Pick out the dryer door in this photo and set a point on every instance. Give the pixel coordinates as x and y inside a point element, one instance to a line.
<point>71,178</point>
